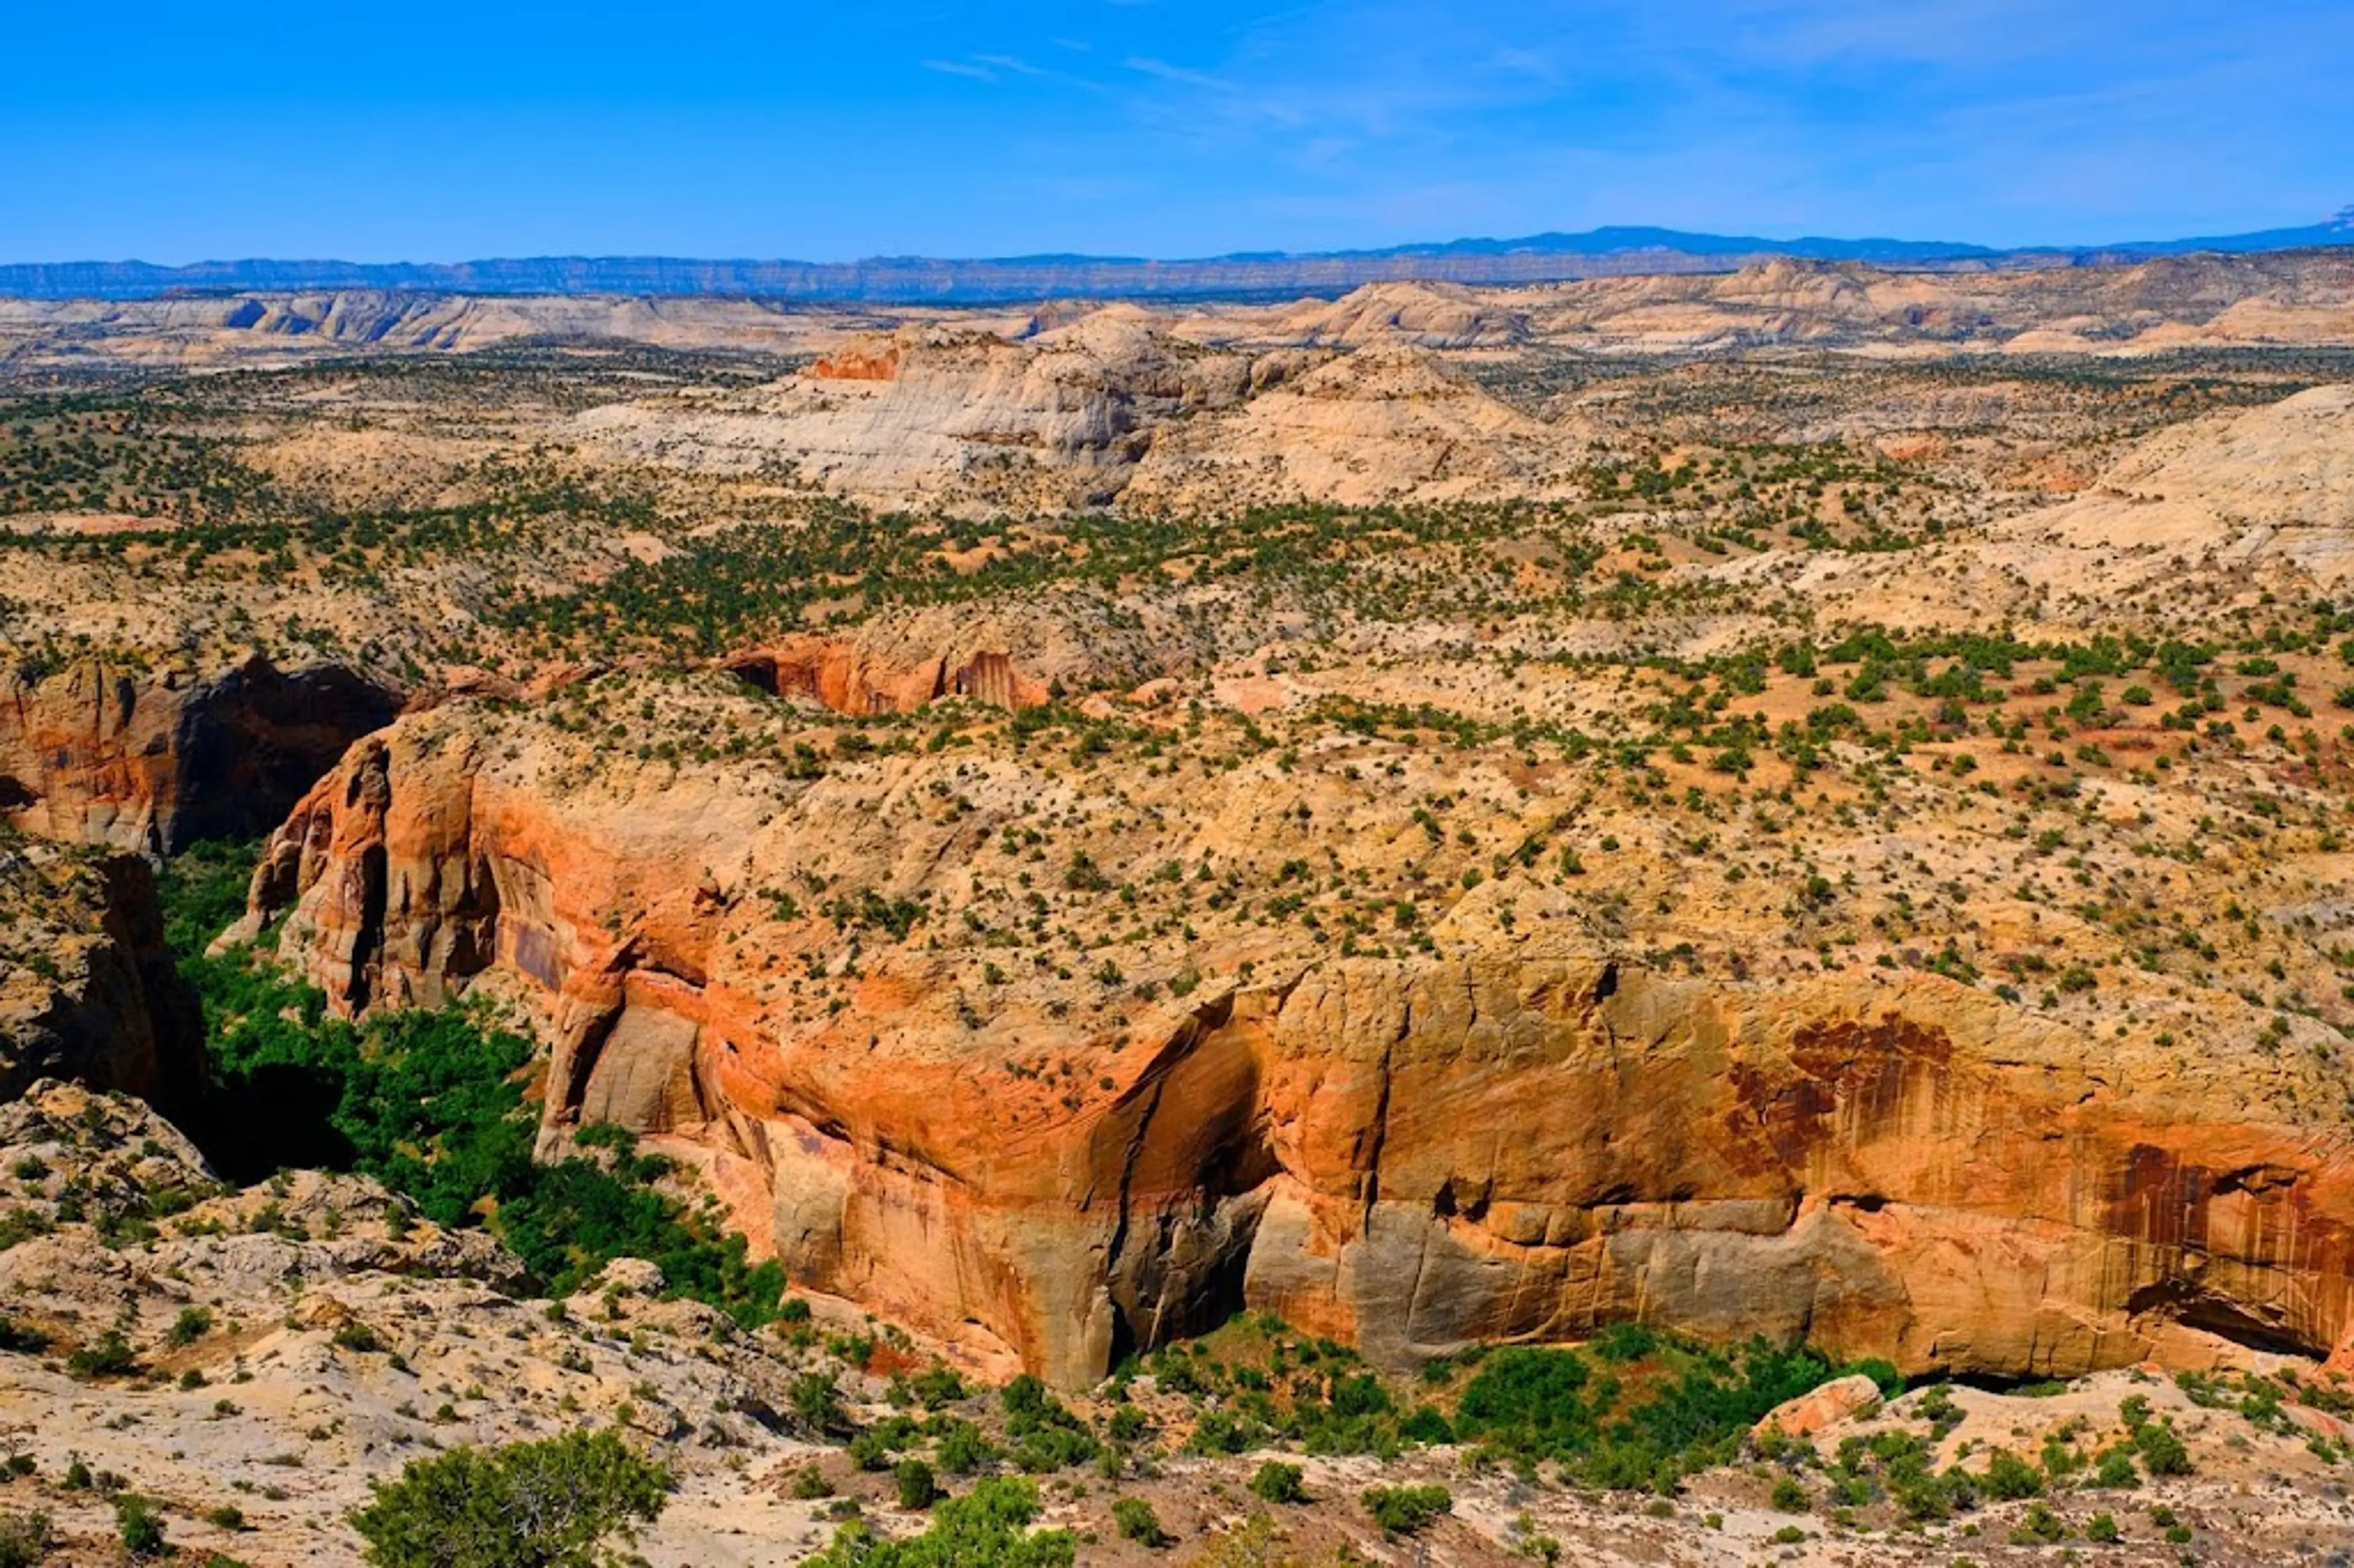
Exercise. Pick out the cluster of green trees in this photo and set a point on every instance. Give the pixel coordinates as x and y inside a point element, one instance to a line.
<point>431,1103</point>
<point>109,451</point>
<point>1638,1409</point>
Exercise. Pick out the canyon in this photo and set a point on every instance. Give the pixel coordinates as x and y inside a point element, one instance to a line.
<point>1804,805</point>
<point>1894,1167</point>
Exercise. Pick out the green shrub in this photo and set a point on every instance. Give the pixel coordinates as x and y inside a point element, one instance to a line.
<point>1277,1482</point>
<point>986,1528</point>
<point>2103,1528</point>
<point>918,1489</point>
<point>142,1530</point>
<point>2008,1477</point>
<point>108,1355</point>
<point>1403,1510</point>
<point>962,1449</point>
<point>358,1337</point>
<point>25,1538</point>
<point>1138,1523</point>
<point>1624,1342</point>
<point>2039,1527</point>
<point>1425,1424</point>
<point>870,1451</point>
<point>193,1324</point>
<point>2162,1452</point>
<point>937,1386</point>
<point>548,1504</point>
<point>1790,1497</point>
<point>816,1401</point>
<point>1926,1497</point>
<point>1047,1436</point>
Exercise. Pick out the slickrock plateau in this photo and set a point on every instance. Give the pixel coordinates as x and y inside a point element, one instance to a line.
<point>1689,919</point>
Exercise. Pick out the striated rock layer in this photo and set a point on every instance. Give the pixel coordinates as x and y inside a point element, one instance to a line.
<point>101,755</point>
<point>1510,1138</point>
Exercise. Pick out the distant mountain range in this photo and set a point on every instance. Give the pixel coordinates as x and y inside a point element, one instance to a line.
<point>1538,257</point>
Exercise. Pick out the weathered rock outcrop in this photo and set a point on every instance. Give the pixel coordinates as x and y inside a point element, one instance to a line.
<point>1001,655</point>
<point>850,678</point>
<point>100,754</point>
<point>939,416</point>
<point>1511,1137</point>
<point>1809,1413</point>
<point>87,989</point>
<point>1385,423</point>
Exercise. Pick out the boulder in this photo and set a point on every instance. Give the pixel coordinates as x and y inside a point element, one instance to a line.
<point>1834,1402</point>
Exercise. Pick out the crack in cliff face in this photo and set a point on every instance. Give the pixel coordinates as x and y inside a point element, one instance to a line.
<point>1122,1330</point>
<point>1369,1180</point>
<point>1130,1159</point>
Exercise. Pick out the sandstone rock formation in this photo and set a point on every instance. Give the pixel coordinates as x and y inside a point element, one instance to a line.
<point>1521,1135</point>
<point>105,755</point>
<point>1014,654</point>
<point>1382,424</point>
<point>2270,485</point>
<point>834,673</point>
<point>270,327</point>
<point>87,990</point>
<point>1836,1401</point>
<point>954,416</point>
<point>2138,307</point>
<point>1425,315</point>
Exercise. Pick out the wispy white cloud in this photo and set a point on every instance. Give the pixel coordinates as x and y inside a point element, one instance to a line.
<point>961,68</point>
<point>1178,74</point>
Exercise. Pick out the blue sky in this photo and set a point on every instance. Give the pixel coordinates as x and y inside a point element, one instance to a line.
<point>440,132</point>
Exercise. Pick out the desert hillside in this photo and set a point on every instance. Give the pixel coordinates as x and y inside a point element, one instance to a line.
<point>1696,920</point>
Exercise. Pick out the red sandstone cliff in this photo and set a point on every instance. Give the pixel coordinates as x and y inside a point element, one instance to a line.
<point>849,679</point>
<point>1511,1141</point>
<point>101,755</point>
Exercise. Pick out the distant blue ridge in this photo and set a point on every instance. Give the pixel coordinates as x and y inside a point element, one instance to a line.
<point>1536,258</point>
